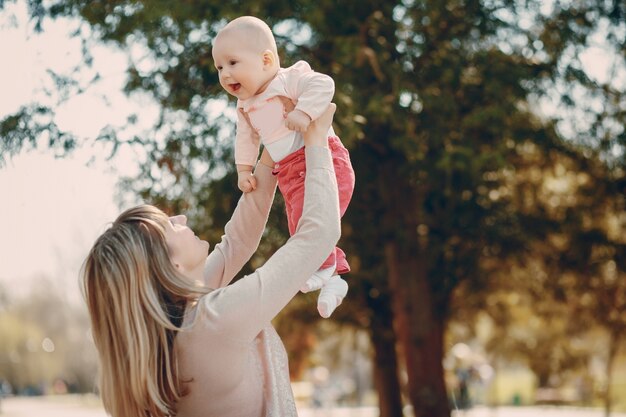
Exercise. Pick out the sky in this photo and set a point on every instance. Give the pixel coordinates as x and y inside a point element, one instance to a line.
<point>53,209</point>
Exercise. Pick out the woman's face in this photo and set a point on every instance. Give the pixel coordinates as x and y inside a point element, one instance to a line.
<point>186,250</point>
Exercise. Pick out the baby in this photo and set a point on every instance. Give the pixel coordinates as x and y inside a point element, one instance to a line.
<point>245,55</point>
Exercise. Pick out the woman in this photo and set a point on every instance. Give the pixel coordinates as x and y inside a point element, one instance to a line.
<point>173,337</point>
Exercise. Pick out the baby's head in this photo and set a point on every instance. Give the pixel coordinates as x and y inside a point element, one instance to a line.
<point>244,53</point>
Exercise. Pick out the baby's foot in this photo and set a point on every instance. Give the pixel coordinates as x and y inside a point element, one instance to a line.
<point>318,279</point>
<point>331,295</point>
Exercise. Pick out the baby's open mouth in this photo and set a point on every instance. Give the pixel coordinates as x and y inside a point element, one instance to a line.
<point>235,87</point>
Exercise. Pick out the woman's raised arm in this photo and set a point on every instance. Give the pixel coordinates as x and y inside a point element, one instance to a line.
<point>243,232</point>
<point>242,309</point>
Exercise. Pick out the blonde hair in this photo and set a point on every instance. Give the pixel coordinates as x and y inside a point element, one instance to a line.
<point>136,300</point>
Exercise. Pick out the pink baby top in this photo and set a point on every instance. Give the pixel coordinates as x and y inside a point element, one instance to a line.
<point>232,359</point>
<point>311,91</point>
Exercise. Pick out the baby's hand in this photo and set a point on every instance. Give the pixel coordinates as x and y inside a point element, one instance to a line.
<point>246,181</point>
<point>298,121</point>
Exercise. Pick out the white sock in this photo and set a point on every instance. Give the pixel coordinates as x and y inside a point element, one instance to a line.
<point>331,295</point>
<point>318,279</point>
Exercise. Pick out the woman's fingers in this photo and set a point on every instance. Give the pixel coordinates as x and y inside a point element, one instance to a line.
<point>317,133</point>
<point>326,119</point>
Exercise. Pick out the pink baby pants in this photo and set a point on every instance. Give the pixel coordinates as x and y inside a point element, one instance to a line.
<point>290,174</point>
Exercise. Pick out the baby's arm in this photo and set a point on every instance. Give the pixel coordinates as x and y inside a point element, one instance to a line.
<point>246,152</point>
<point>243,232</point>
<point>298,121</point>
<point>245,179</point>
<point>313,92</point>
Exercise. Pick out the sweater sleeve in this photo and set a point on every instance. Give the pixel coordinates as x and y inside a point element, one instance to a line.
<point>246,141</point>
<point>313,90</point>
<point>243,232</point>
<point>240,310</point>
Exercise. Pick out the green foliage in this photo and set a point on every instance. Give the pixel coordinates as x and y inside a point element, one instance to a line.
<point>29,128</point>
<point>437,102</point>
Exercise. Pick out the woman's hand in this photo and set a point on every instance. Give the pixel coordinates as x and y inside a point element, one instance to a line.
<point>317,133</point>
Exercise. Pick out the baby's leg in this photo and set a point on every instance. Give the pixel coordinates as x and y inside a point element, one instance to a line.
<point>291,185</point>
<point>318,279</point>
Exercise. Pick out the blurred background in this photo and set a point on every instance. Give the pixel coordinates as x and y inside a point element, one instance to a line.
<point>487,232</point>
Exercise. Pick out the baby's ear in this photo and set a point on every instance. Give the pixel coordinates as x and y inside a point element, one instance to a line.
<point>269,59</point>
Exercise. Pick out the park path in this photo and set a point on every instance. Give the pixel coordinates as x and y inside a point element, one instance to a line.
<point>476,412</point>
<point>49,407</point>
<point>77,407</point>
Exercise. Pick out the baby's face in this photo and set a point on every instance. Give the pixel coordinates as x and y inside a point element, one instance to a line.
<point>240,67</point>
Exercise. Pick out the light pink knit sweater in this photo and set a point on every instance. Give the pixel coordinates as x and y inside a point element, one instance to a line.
<point>232,356</point>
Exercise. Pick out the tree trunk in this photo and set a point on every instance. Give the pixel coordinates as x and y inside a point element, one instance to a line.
<point>419,329</point>
<point>614,341</point>
<point>385,359</point>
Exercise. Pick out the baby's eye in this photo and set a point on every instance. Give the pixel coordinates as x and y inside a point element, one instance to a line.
<point>219,68</point>
<point>233,62</point>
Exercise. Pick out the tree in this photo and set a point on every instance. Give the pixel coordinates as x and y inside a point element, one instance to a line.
<point>578,202</point>
<point>435,102</point>
<point>584,259</point>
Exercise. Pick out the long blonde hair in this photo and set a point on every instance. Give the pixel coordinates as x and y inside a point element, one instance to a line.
<point>136,300</point>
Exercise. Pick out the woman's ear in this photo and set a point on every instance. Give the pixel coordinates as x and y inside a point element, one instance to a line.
<point>176,264</point>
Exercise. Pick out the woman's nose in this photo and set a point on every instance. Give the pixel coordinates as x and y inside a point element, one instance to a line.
<point>180,219</point>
